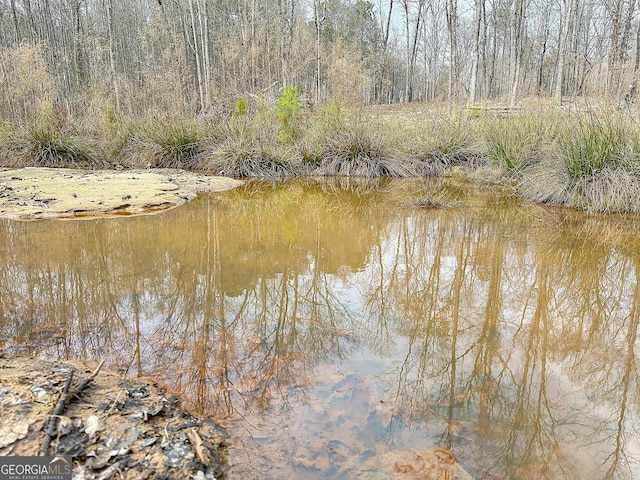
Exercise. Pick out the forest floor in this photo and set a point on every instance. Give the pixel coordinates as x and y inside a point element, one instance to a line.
<point>34,193</point>
<point>111,426</point>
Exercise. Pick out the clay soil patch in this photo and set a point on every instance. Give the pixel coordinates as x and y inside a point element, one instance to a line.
<point>34,193</point>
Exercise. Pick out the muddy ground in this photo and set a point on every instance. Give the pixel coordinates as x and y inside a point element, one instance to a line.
<point>111,426</point>
<point>35,193</point>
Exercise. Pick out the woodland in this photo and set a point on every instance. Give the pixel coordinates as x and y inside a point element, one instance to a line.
<point>537,94</point>
<point>197,56</point>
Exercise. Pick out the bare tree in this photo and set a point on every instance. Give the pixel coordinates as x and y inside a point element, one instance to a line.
<point>478,14</point>
<point>452,28</point>
<point>518,28</point>
<point>413,21</point>
<point>569,19</point>
<point>112,54</point>
<point>621,14</point>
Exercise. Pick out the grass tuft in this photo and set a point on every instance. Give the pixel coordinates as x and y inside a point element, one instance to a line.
<point>245,148</point>
<point>592,165</point>
<point>163,144</point>
<point>587,145</point>
<point>41,145</point>
<point>609,190</point>
<point>515,144</point>
<point>445,144</point>
<point>361,151</point>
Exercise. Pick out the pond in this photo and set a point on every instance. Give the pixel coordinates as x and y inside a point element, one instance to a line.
<point>346,329</point>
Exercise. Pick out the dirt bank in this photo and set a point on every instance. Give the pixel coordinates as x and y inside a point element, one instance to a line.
<point>34,193</point>
<point>112,427</point>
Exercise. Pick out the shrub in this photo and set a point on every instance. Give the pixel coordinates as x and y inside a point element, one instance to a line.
<point>289,108</point>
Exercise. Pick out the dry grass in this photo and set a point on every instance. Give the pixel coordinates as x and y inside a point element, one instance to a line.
<point>43,146</point>
<point>163,144</point>
<point>586,156</point>
<point>361,151</point>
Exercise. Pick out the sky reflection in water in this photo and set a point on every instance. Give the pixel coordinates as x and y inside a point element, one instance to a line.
<point>341,332</point>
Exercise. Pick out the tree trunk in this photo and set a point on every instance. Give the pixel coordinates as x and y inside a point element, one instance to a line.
<point>543,52</point>
<point>636,64</point>
<point>16,29</point>
<point>112,54</point>
<point>452,27</point>
<point>517,40</point>
<point>318,23</point>
<point>473,82</point>
<point>196,52</point>
<point>412,37</point>
<point>568,12</point>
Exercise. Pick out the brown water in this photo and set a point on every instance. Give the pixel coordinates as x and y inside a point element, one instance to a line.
<point>340,332</point>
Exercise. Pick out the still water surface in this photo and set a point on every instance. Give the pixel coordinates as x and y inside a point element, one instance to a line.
<point>339,331</point>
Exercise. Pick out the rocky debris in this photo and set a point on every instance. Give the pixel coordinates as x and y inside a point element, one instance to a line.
<point>34,193</point>
<point>112,427</point>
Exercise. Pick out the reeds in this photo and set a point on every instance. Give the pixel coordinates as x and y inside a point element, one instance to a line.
<point>592,163</point>
<point>167,143</point>
<point>588,160</point>
<point>42,145</point>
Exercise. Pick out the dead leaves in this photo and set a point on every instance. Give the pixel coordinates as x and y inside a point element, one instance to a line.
<point>428,464</point>
<point>13,429</point>
<point>112,427</point>
<point>341,431</point>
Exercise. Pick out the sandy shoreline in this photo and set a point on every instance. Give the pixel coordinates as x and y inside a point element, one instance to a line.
<point>36,193</point>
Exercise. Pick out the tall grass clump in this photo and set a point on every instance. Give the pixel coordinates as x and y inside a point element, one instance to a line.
<point>240,153</point>
<point>515,144</point>
<point>49,140</point>
<point>587,145</point>
<point>250,144</point>
<point>593,166</point>
<point>446,143</point>
<point>168,143</point>
<point>329,119</point>
<point>360,149</point>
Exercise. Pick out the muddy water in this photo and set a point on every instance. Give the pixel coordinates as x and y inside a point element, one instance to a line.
<point>341,332</point>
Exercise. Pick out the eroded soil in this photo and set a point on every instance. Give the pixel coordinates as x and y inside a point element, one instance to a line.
<point>116,427</point>
<point>34,193</point>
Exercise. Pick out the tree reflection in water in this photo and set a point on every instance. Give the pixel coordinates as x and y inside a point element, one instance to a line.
<point>334,326</point>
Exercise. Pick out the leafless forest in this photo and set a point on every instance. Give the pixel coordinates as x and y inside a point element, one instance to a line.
<point>195,56</point>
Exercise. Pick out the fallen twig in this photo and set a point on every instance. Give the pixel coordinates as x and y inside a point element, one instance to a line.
<point>53,420</point>
<point>65,398</point>
<point>83,384</point>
